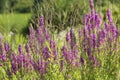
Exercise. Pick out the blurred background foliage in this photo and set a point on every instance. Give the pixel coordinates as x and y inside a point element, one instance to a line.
<point>20,6</point>
<point>62,14</point>
<point>16,15</point>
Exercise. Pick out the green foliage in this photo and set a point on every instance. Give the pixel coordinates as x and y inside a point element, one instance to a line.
<point>15,23</point>
<point>2,2</point>
<point>2,73</point>
<point>21,6</point>
<point>15,40</point>
<point>60,14</point>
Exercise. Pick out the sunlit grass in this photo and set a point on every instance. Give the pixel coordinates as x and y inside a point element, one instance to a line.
<point>13,22</point>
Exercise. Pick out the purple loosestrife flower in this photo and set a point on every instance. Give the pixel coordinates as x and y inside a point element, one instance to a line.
<point>93,38</point>
<point>74,53</point>
<point>41,66</point>
<point>76,48</point>
<point>92,7</point>
<point>64,51</point>
<point>32,39</point>
<point>84,40</point>
<point>85,32</point>
<point>27,48</point>
<point>4,57</point>
<point>77,63</point>
<point>14,67</point>
<point>89,28</point>
<point>73,39</point>
<point>95,61</point>
<point>98,20</point>
<point>67,38</point>
<point>20,60</point>
<point>32,32</point>
<point>20,49</point>
<point>24,59</point>
<point>82,60</point>
<point>54,51</point>
<point>52,44</point>
<point>42,21</point>
<point>110,27</point>
<point>85,44</point>
<point>13,60</point>
<point>27,62</point>
<point>92,20</point>
<point>115,32</point>
<point>71,57</point>
<point>103,34</point>
<point>47,35</point>
<point>86,19</point>
<point>101,37</point>
<point>35,65</point>
<point>44,30</point>
<point>106,27</point>
<point>46,53</point>
<point>109,15</point>
<point>88,51</point>
<point>7,47</point>
<point>40,35</point>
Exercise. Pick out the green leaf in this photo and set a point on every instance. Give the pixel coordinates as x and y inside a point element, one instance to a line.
<point>2,73</point>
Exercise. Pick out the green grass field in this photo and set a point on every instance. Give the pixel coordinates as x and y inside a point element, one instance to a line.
<point>13,22</point>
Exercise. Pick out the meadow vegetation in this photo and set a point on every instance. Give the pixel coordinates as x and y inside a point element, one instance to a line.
<point>88,50</point>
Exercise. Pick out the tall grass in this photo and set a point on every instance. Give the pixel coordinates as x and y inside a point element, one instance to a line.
<point>62,14</point>
<point>13,22</point>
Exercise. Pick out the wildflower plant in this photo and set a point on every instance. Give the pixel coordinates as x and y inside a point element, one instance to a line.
<point>91,54</point>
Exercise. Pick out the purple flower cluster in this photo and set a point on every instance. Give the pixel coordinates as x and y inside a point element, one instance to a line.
<point>20,61</point>
<point>40,66</point>
<point>35,54</point>
<point>96,35</point>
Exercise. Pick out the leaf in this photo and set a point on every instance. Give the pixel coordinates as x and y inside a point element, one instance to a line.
<point>2,73</point>
<point>14,77</point>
